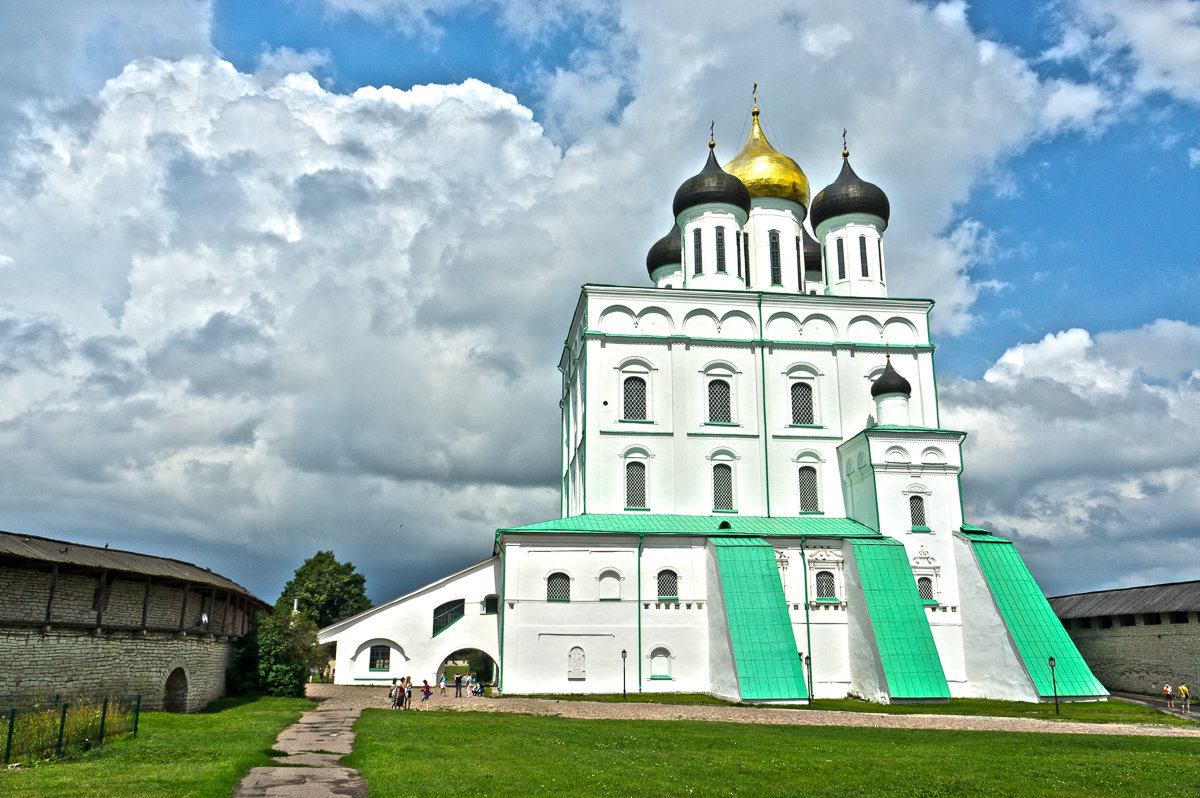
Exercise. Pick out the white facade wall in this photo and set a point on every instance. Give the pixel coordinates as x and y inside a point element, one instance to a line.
<point>785,217</point>
<point>405,625</point>
<point>851,275</point>
<point>705,219</point>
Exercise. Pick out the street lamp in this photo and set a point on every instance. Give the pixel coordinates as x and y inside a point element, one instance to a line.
<point>1054,681</point>
<point>808,667</point>
<point>624,654</point>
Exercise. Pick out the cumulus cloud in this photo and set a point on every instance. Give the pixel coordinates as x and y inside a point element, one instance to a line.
<point>261,318</point>
<point>1089,444</point>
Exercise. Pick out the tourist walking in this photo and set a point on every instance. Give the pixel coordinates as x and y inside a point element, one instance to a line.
<point>426,691</point>
<point>1185,698</point>
<point>396,694</point>
<point>407,693</point>
<point>1169,695</point>
<point>458,685</point>
<point>442,683</point>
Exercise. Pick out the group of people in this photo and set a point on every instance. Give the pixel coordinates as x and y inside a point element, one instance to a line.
<point>1185,698</point>
<point>401,692</point>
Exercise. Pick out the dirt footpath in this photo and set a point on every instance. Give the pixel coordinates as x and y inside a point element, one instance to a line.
<point>360,697</point>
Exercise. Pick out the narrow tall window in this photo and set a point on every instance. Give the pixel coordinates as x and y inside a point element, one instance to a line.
<point>809,502</point>
<point>668,584</point>
<point>722,487</point>
<point>802,403</point>
<point>916,508</point>
<point>825,585</point>
<point>737,245</point>
<point>381,658</point>
<point>799,267</point>
<point>635,485</point>
<point>558,587</point>
<point>634,404</point>
<point>841,250</point>
<point>776,266</point>
<point>448,613</point>
<point>721,249</point>
<point>879,247</point>
<point>719,409</point>
<point>746,253</point>
<point>862,255</point>
<point>697,251</point>
<point>925,588</point>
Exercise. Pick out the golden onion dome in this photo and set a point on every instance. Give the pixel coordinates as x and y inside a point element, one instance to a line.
<point>766,171</point>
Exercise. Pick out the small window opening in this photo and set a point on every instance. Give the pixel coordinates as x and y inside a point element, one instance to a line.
<point>925,588</point>
<point>558,587</point>
<point>697,252</point>
<point>719,405</point>
<point>721,249</point>
<point>825,585</point>
<point>776,266</point>
<point>809,502</point>
<point>668,585</point>
<point>635,485</point>
<point>634,404</point>
<point>862,255</point>
<point>722,487</point>
<point>916,508</point>
<point>381,658</point>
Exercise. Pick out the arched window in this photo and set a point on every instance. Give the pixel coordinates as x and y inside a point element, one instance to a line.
<point>841,250</point>
<point>722,482</point>
<point>809,498</point>
<point>447,614</point>
<point>576,664</point>
<point>558,587</point>
<point>698,253</point>
<point>825,585</point>
<point>720,405</point>
<point>660,664</point>
<point>668,584</point>
<point>381,658</point>
<point>776,266</point>
<point>925,588</point>
<point>610,586</point>
<point>802,403</point>
<point>634,399</point>
<point>635,485</point>
<point>746,254</point>
<point>721,249</point>
<point>862,255</point>
<point>916,508</point>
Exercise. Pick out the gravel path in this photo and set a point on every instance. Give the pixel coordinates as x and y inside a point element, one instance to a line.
<point>359,697</point>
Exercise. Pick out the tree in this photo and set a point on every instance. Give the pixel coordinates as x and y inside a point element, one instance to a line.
<point>328,591</point>
<point>274,657</point>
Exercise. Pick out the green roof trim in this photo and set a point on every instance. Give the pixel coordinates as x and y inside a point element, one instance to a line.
<point>977,530</point>
<point>663,524</point>
<point>760,628</point>
<point>910,659</point>
<point>1034,627</point>
<point>901,428</point>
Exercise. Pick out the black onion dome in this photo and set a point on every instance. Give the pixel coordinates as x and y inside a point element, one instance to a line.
<point>667,251</point>
<point>849,194</point>
<point>713,184</point>
<point>890,381</point>
<point>812,255</point>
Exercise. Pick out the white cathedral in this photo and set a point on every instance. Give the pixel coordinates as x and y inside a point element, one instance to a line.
<point>758,499</point>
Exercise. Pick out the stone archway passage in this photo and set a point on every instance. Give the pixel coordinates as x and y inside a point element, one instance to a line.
<point>175,697</point>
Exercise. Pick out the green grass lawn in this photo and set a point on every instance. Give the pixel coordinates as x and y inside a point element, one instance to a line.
<point>205,754</point>
<point>467,753</point>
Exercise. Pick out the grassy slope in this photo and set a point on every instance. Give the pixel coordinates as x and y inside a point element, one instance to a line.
<point>463,754</point>
<point>206,754</point>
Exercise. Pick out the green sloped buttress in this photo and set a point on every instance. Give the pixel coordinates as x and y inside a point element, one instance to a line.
<point>909,656</point>
<point>1035,629</point>
<point>764,647</point>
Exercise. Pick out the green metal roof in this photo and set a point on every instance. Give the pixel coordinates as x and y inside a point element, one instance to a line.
<point>1033,625</point>
<point>646,523</point>
<point>901,428</point>
<point>764,647</point>
<point>910,659</point>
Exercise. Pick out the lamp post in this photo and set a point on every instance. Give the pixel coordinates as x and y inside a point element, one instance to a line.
<point>624,654</point>
<point>808,667</point>
<point>1054,681</point>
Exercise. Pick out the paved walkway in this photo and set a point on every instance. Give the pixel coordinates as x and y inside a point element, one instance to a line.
<point>312,768</point>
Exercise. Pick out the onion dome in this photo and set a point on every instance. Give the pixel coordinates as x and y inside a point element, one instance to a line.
<point>667,251</point>
<point>812,255</point>
<point>849,194</point>
<point>890,381</point>
<point>766,171</point>
<point>713,184</point>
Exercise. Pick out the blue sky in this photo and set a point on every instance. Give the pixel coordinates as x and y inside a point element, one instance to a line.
<point>248,292</point>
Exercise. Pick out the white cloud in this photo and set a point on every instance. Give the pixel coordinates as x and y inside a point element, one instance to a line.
<point>1088,444</point>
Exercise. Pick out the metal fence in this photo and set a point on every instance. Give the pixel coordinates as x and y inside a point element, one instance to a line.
<point>52,729</point>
